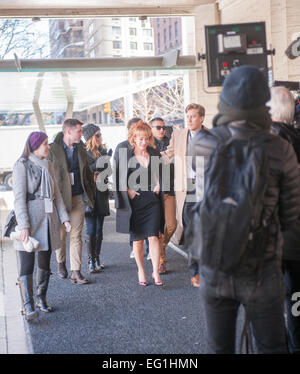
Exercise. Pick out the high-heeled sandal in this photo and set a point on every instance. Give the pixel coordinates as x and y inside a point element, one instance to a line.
<point>159,283</point>
<point>143,283</point>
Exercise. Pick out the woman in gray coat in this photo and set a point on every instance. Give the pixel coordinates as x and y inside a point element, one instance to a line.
<point>39,210</point>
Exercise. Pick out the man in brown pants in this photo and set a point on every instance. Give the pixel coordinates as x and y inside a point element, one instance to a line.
<point>185,187</point>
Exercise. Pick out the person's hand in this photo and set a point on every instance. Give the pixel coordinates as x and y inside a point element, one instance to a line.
<point>24,235</point>
<point>132,193</point>
<point>68,226</point>
<point>157,189</point>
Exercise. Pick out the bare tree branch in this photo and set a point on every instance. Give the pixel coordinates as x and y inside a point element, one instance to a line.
<point>165,101</point>
<point>19,35</point>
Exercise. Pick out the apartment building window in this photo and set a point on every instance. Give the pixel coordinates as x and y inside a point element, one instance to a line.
<point>170,32</point>
<point>115,19</point>
<point>148,46</point>
<point>147,32</point>
<point>117,44</point>
<point>165,36</point>
<point>158,40</point>
<point>92,53</point>
<point>116,30</point>
<point>132,19</point>
<point>133,45</point>
<point>176,29</point>
<point>132,31</point>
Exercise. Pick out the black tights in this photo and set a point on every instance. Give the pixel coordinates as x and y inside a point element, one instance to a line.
<point>26,261</point>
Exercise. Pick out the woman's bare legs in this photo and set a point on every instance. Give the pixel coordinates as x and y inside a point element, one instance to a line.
<point>154,248</point>
<point>138,250</point>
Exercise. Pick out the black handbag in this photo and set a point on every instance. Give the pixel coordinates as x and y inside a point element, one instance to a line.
<point>11,221</point>
<point>10,224</point>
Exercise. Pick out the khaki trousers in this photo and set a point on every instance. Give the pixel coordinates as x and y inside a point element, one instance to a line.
<point>170,227</point>
<point>77,221</point>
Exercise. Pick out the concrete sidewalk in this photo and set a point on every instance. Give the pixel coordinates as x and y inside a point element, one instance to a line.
<point>15,334</point>
<point>13,327</point>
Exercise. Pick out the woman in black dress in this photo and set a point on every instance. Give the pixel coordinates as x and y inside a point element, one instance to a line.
<point>144,194</point>
<point>99,162</point>
<point>143,209</point>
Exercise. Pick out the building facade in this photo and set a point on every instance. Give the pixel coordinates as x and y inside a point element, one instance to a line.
<point>66,38</point>
<point>167,34</point>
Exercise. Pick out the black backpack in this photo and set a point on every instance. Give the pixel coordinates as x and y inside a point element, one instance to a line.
<point>228,226</point>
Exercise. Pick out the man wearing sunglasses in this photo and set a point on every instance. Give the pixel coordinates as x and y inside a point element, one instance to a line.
<point>161,142</point>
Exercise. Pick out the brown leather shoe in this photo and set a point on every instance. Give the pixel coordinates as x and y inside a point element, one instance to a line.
<point>62,271</point>
<point>195,281</point>
<point>77,277</point>
<point>162,268</point>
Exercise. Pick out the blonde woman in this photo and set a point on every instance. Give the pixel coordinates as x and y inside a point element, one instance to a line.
<point>140,208</point>
<point>99,162</point>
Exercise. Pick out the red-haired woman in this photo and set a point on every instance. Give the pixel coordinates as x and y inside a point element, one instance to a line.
<point>138,197</point>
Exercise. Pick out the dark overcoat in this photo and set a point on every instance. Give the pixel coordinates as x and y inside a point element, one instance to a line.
<point>101,207</point>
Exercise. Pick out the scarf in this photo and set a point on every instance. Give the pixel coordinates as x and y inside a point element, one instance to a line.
<point>46,186</point>
<point>259,116</point>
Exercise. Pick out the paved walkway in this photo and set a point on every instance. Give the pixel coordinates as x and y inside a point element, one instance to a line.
<point>13,327</point>
<point>112,315</point>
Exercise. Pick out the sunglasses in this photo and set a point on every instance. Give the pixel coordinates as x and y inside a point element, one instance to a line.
<point>160,127</point>
<point>98,135</point>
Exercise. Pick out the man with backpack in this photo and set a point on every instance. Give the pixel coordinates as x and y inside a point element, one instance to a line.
<point>282,109</point>
<point>251,194</point>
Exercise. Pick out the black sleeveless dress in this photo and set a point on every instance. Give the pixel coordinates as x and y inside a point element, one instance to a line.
<point>146,213</point>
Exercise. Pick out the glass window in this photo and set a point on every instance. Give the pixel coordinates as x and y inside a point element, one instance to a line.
<point>148,46</point>
<point>147,32</point>
<point>132,19</point>
<point>170,32</point>
<point>116,30</point>
<point>117,44</point>
<point>133,45</point>
<point>165,36</point>
<point>132,31</point>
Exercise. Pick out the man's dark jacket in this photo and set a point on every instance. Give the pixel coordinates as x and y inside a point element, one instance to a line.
<point>58,156</point>
<point>283,191</point>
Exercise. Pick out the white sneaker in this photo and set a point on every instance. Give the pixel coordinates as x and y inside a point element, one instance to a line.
<point>149,257</point>
<point>131,254</point>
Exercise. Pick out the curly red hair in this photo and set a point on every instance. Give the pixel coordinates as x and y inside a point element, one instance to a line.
<point>141,128</point>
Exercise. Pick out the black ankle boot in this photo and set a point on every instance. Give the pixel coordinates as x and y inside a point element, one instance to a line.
<point>42,280</point>
<point>98,246</point>
<point>90,246</point>
<point>26,289</point>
